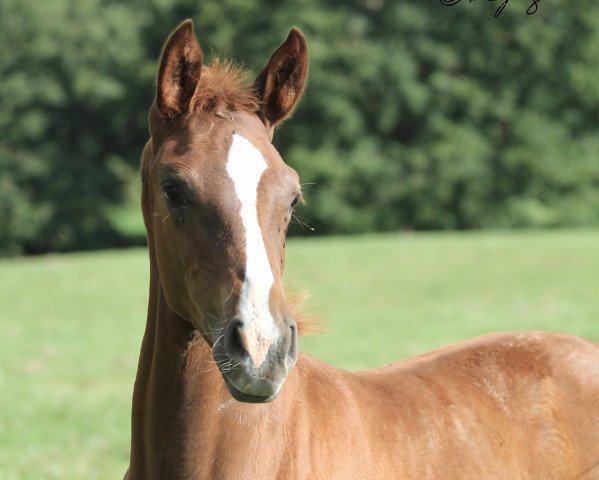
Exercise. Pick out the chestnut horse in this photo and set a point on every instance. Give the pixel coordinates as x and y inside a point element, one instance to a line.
<point>221,391</point>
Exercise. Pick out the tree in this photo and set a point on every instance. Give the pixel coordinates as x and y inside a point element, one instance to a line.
<point>416,116</point>
<point>71,115</point>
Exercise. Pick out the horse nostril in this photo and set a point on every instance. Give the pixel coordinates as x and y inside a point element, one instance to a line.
<point>246,347</point>
<point>292,350</point>
<point>233,343</point>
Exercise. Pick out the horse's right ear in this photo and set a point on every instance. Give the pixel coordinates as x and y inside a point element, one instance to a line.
<point>179,72</point>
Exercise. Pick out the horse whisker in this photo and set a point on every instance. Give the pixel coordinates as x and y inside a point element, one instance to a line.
<point>302,224</point>
<point>229,296</point>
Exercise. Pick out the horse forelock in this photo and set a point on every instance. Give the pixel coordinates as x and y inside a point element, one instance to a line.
<point>223,86</point>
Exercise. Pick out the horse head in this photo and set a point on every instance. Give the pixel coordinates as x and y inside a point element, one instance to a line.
<point>217,201</point>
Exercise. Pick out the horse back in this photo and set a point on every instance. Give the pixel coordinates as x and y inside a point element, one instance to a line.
<point>526,403</point>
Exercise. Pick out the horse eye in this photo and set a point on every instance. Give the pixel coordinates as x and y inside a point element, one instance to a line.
<point>173,195</point>
<point>296,200</point>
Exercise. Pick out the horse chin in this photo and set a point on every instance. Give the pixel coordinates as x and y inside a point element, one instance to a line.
<point>248,397</point>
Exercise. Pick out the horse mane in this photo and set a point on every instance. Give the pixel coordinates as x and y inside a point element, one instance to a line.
<point>307,322</point>
<point>224,85</point>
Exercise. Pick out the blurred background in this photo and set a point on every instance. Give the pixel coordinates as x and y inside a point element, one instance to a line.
<point>461,151</point>
<point>418,116</point>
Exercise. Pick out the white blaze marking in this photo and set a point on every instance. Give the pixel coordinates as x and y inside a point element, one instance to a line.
<point>245,166</point>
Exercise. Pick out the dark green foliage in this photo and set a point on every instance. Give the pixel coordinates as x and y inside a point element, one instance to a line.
<point>417,115</point>
<point>72,111</point>
<point>438,117</point>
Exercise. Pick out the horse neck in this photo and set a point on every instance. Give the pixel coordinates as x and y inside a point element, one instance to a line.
<point>167,380</point>
<point>181,405</point>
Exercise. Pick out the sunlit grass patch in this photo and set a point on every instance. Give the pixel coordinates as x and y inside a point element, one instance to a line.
<point>72,324</point>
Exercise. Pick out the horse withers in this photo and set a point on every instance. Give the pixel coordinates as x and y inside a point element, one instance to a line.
<point>221,391</point>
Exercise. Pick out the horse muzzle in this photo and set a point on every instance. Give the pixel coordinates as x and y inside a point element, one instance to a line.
<point>255,365</point>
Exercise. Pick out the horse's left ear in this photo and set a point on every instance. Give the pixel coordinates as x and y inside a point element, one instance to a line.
<point>281,83</point>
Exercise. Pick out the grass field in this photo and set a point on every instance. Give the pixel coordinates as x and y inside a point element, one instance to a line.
<point>71,325</point>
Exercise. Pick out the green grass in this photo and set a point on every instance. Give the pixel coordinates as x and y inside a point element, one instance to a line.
<point>71,325</point>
